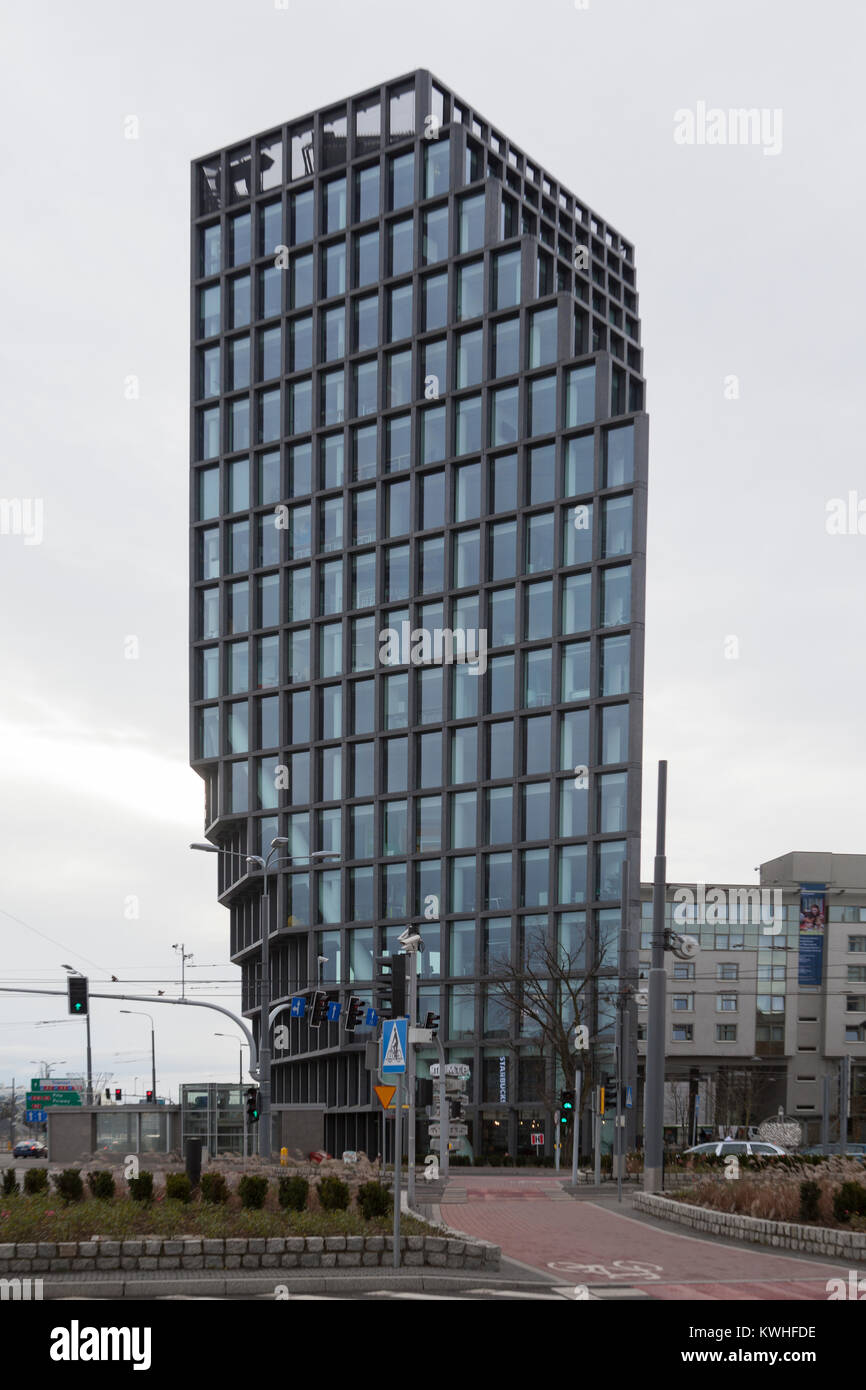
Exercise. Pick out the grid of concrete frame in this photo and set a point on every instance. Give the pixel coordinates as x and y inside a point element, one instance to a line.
<point>417,405</point>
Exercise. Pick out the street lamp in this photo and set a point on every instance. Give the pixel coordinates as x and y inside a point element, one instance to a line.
<point>266,863</point>
<point>142,1014</point>
<point>240,1055</point>
<point>72,971</point>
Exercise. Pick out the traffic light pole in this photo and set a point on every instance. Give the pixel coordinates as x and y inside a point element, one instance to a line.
<point>575,1157</point>
<point>89,1061</point>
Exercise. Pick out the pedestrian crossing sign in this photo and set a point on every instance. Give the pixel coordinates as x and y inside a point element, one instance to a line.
<point>394,1044</point>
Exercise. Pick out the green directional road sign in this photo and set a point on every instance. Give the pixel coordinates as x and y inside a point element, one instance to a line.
<point>41,1100</point>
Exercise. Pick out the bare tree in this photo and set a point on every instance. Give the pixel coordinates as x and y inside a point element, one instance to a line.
<point>551,988</point>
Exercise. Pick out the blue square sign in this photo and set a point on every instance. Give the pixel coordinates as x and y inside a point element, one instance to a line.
<point>299,1007</point>
<point>395,1037</point>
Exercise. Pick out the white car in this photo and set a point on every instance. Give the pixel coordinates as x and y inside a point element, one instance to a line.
<point>721,1148</point>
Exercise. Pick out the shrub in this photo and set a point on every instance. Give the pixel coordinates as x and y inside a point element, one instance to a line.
<point>333,1194</point>
<point>178,1187</point>
<point>214,1188</point>
<point>849,1201</point>
<point>374,1199</point>
<point>810,1195</point>
<point>36,1180</point>
<point>252,1191</point>
<point>101,1184</point>
<point>293,1193</point>
<point>141,1188</point>
<point>10,1182</point>
<point>69,1185</point>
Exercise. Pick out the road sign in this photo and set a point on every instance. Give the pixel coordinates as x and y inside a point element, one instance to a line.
<point>629,1099</point>
<point>371,1018</point>
<point>37,1100</point>
<point>454,1131</point>
<point>60,1083</point>
<point>386,1095</point>
<point>35,1117</point>
<point>451,1069</point>
<point>537,1139</point>
<point>299,1007</point>
<point>394,1045</point>
<point>334,1010</point>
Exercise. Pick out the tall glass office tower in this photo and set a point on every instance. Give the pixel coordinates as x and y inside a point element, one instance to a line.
<point>419,461</point>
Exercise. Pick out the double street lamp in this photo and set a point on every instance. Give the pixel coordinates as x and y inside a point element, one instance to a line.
<point>142,1014</point>
<point>266,863</point>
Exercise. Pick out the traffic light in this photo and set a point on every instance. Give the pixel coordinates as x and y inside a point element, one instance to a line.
<point>355,1011</point>
<point>118,1093</point>
<point>319,1009</point>
<point>432,1022</point>
<point>566,1107</point>
<point>423,1092</point>
<point>108,1093</point>
<point>149,1095</point>
<point>253,1105</point>
<point>389,999</point>
<point>458,1111</point>
<point>76,994</point>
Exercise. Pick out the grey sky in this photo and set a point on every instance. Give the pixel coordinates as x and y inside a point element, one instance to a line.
<point>747,265</point>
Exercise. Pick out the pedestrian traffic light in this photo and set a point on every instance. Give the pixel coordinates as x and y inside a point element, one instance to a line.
<point>389,999</point>
<point>76,994</point>
<point>108,1093</point>
<point>566,1107</point>
<point>432,1022</point>
<point>355,1011</point>
<point>253,1105</point>
<point>149,1095</point>
<point>319,1009</point>
<point>118,1093</point>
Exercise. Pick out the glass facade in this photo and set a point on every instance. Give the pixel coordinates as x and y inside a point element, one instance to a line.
<point>446,547</point>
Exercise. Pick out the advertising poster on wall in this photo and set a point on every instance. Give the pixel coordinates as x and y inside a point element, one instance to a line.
<point>813,916</point>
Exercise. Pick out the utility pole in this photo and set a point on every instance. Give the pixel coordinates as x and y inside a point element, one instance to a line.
<point>398,1164</point>
<point>844,1086</point>
<point>412,1001</point>
<point>12,1118</point>
<point>655,1051</point>
<point>825,1111</point>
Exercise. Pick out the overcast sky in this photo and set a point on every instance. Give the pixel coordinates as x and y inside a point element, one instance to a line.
<point>748,267</point>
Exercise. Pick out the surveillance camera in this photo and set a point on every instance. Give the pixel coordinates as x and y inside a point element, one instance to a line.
<point>411,939</point>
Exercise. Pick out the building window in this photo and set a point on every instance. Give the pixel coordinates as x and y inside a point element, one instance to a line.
<point>726,1003</point>
<point>683,1003</point>
<point>726,1032</point>
<point>682,1032</point>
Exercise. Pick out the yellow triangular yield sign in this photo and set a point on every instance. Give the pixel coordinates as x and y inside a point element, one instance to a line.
<point>385,1094</point>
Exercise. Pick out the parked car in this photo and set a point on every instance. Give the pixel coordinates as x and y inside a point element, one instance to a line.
<point>828,1150</point>
<point>722,1148</point>
<point>30,1148</point>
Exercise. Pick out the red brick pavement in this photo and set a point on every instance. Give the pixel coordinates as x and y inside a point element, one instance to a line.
<point>586,1243</point>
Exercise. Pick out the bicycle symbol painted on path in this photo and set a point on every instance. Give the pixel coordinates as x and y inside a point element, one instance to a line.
<point>620,1269</point>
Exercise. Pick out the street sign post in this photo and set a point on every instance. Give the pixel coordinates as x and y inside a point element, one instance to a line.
<point>35,1117</point>
<point>455,1131</point>
<point>537,1139</point>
